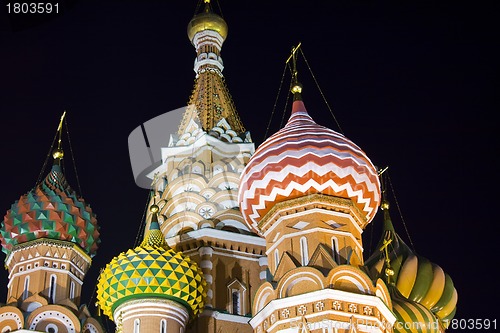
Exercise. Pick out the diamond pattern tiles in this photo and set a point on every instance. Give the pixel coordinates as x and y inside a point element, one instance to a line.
<point>151,270</point>
<point>51,210</point>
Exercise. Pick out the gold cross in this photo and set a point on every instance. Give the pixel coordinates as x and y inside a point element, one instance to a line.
<point>388,270</point>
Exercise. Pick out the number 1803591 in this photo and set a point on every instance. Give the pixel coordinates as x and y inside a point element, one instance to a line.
<point>32,8</point>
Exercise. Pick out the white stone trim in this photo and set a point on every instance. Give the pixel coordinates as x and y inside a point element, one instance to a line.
<point>219,234</point>
<point>263,261</point>
<point>206,264</point>
<point>48,269</point>
<point>321,295</point>
<point>225,317</point>
<point>159,308</point>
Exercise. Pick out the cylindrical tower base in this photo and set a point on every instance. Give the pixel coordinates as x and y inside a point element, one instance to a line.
<point>151,315</point>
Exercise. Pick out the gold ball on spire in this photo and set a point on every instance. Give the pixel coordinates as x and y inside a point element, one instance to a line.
<point>296,88</point>
<point>58,154</point>
<point>154,209</point>
<point>384,205</point>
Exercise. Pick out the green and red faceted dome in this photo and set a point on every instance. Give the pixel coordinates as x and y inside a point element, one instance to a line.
<point>305,158</point>
<point>51,210</point>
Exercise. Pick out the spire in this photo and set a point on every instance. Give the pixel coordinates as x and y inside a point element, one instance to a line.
<point>296,87</point>
<point>299,112</point>
<point>58,153</point>
<point>154,236</point>
<point>55,179</point>
<point>210,102</point>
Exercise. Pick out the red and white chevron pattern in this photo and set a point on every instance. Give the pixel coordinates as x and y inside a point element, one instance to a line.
<point>305,158</point>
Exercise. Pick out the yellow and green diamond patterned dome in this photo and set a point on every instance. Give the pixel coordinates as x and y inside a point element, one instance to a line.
<point>151,270</point>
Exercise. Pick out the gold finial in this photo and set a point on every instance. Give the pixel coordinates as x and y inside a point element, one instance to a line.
<point>154,208</point>
<point>207,1</point>
<point>58,153</point>
<point>296,86</point>
<point>384,205</point>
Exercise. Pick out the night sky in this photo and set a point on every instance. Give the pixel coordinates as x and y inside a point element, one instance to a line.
<point>415,85</point>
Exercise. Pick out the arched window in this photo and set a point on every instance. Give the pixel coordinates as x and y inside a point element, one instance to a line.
<point>236,299</point>
<point>163,326</point>
<point>137,324</point>
<point>276,259</point>
<point>52,289</point>
<point>26,287</point>
<point>72,290</point>
<point>236,296</point>
<point>304,251</point>
<point>335,251</point>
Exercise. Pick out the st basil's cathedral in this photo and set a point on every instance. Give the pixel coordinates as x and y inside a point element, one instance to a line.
<point>237,238</point>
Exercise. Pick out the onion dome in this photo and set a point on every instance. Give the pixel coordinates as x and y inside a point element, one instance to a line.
<point>207,20</point>
<point>151,270</point>
<point>415,277</point>
<point>412,316</point>
<point>305,158</point>
<point>51,210</point>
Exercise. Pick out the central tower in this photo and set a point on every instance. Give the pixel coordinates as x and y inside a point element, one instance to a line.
<point>196,188</point>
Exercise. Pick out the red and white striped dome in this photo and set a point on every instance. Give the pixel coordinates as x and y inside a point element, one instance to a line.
<point>305,158</point>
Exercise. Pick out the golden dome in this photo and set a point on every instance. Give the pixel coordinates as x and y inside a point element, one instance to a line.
<point>207,21</point>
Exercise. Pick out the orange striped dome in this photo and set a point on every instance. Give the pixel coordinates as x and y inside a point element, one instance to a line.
<point>305,158</point>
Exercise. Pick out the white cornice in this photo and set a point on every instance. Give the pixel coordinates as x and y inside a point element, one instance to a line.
<point>219,234</point>
<point>225,316</point>
<point>319,295</point>
<point>47,269</point>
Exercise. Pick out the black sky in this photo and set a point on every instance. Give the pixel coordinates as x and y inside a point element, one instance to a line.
<point>415,85</point>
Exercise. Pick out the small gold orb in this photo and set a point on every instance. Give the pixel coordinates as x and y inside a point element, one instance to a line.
<point>389,271</point>
<point>154,209</point>
<point>58,154</point>
<point>297,88</point>
<point>384,205</point>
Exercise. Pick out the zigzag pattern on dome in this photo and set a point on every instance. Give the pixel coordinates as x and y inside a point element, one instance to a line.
<point>51,210</point>
<point>294,176</point>
<point>305,158</point>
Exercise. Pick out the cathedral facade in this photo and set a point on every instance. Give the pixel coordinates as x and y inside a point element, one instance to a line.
<point>238,238</point>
